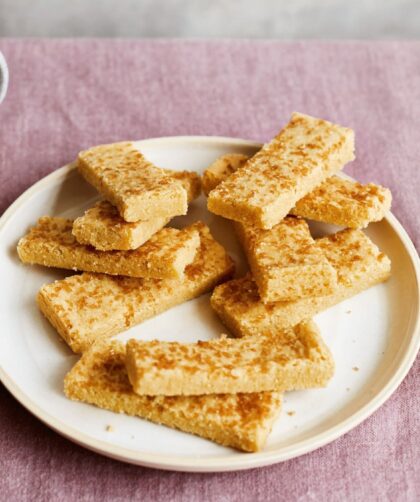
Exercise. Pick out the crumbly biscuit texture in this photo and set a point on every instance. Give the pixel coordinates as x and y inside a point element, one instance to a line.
<point>125,178</point>
<point>165,254</point>
<point>337,200</point>
<point>344,202</point>
<point>285,261</point>
<point>190,180</point>
<point>295,358</point>
<point>359,265</point>
<point>84,308</point>
<point>221,168</point>
<point>103,228</point>
<point>242,421</point>
<point>305,153</point>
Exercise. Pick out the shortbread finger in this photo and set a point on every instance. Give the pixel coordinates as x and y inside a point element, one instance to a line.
<point>359,265</point>
<point>220,169</point>
<point>337,200</point>
<point>242,421</point>
<point>84,308</point>
<point>125,178</point>
<point>285,261</point>
<point>190,180</point>
<point>103,228</point>
<point>303,155</point>
<point>344,202</point>
<point>165,254</point>
<point>295,358</point>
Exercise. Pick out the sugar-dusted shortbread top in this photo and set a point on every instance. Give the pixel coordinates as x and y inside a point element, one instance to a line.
<point>283,360</point>
<point>190,180</point>
<point>303,155</point>
<point>220,169</point>
<point>165,254</point>
<point>242,421</point>
<point>337,200</point>
<point>103,228</point>
<point>285,261</point>
<point>345,202</point>
<point>130,182</point>
<point>359,265</point>
<point>86,307</point>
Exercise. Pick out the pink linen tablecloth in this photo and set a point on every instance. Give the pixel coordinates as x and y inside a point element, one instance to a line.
<point>65,95</point>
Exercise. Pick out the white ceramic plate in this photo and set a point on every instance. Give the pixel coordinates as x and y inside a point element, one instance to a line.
<point>374,336</point>
<point>4,77</point>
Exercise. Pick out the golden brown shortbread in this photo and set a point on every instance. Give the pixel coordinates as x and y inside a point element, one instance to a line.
<point>84,308</point>
<point>337,200</point>
<point>242,421</point>
<point>345,202</point>
<point>303,155</point>
<point>139,189</point>
<point>103,228</point>
<point>220,169</point>
<point>285,261</point>
<point>190,180</point>
<point>284,360</point>
<point>359,265</point>
<point>166,254</point>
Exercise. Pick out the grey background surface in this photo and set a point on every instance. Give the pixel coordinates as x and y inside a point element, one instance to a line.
<point>285,19</point>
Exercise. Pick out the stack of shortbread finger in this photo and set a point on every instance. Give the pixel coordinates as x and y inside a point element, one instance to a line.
<point>133,266</point>
<point>228,389</point>
<point>293,276</point>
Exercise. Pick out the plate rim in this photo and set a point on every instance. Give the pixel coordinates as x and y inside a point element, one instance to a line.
<point>240,460</point>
